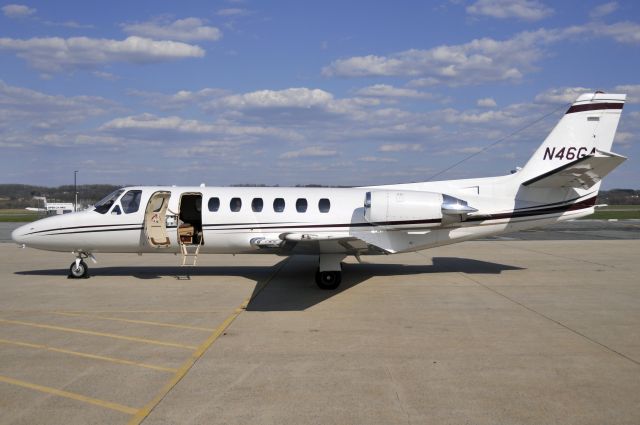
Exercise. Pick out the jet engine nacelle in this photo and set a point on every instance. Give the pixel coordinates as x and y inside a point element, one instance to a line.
<point>394,208</point>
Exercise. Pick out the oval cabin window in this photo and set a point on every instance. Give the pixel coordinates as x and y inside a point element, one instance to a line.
<point>324,205</point>
<point>301,205</point>
<point>278,205</point>
<point>214,204</point>
<point>257,204</point>
<point>235,204</point>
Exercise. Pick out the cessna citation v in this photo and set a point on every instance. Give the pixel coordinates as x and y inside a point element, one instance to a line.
<point>560,182</point>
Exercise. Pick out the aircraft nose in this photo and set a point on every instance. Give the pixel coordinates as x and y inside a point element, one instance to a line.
<point>19,235</point>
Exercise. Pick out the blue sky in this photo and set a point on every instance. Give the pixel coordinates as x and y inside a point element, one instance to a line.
<point>290,92</point>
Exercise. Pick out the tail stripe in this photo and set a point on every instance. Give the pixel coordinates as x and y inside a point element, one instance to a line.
<point>594,107</point>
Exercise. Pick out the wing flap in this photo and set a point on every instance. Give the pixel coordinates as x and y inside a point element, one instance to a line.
<point>311,237</point>
<point>583,172</point>
<point>328,242</point>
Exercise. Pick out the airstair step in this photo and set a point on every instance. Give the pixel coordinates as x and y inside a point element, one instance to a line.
<point>190,252</point>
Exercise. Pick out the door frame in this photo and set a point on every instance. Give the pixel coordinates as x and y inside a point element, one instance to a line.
<point>201,215</point>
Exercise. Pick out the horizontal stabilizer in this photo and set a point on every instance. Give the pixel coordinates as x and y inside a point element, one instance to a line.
<point>583,172</point>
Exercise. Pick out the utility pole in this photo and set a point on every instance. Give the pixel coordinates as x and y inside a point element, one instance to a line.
<point>75,189</point>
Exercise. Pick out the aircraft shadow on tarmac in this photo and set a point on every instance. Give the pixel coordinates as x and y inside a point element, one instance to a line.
<point>156,272</point>
<point>293,287</point>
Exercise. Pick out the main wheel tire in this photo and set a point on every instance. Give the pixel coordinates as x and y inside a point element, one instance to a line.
<point>328,279</point>
<point>80,271</point>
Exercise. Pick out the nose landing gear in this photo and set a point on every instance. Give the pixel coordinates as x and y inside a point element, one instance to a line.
<point>79,269</point>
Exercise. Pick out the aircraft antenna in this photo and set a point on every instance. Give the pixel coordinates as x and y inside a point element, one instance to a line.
<point>500,140</point>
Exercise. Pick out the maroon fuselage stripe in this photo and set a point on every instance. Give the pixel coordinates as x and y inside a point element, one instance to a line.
<point>587,203</point>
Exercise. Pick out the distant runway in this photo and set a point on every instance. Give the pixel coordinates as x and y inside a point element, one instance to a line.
<point>6,229</point>
<point>579,230</point>
<point>571,230</point>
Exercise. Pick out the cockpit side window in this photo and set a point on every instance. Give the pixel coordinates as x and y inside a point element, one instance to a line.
<point>116,210</point>
<point>103,205</point>
<point>131,201</point>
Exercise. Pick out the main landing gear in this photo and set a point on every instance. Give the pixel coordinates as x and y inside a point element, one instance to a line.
<point>79,269</point>
<point>329,273</point>
<point>328,279</point>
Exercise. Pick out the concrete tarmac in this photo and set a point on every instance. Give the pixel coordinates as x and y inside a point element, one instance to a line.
<point>485,332</point>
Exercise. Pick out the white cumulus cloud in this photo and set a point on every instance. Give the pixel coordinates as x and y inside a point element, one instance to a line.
<point>148,121</point>
<point>29,117</point>
<point>180,99</point>
<point>376,159</point>
<point>561,95</point>
<point>624,138</point>
<point>17,11</point>
<point>480,60</point>
<point>622,32</point>
<point>299,97</point>
<point>310,152</point>
<point>400,147</point>
<point>52,54</point>
<point>36,103</point>
<point>603,9</point>
<point>385,90</point>
<point>631,90</point>
<point>487,102</point>
<point>188,29</point>
<point>151,126</point>
<point>530,10</point>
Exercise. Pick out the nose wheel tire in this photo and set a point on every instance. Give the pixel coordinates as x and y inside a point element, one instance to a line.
<point>328,279</point>
<point>79,271</point>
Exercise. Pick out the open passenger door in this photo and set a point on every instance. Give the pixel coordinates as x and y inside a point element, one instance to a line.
<point>155,224</point>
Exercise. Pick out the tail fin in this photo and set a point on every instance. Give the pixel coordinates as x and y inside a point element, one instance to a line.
<point>587,127</point>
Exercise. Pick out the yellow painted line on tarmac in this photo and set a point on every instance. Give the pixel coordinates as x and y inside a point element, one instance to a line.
<point>142,322</point>
<point>134,311</point>
<point>87,355</point>
<point>141,414</point>
<point>103,334</point>
<point>116,311</point>
<point>195,356</point>
<point>74,396</point>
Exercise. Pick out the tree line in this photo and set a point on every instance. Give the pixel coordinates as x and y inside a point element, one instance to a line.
<point>22,195</point>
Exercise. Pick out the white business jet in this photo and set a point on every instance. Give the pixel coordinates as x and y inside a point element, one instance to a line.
<point>560,182</point>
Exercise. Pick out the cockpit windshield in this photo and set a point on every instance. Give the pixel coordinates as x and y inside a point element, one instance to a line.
<point>103,205</point>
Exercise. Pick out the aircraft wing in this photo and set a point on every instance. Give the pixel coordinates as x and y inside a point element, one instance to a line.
<point>359,241</point>
<point>583,172</point>
<point>303,242</point>
<point>310,243</point>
